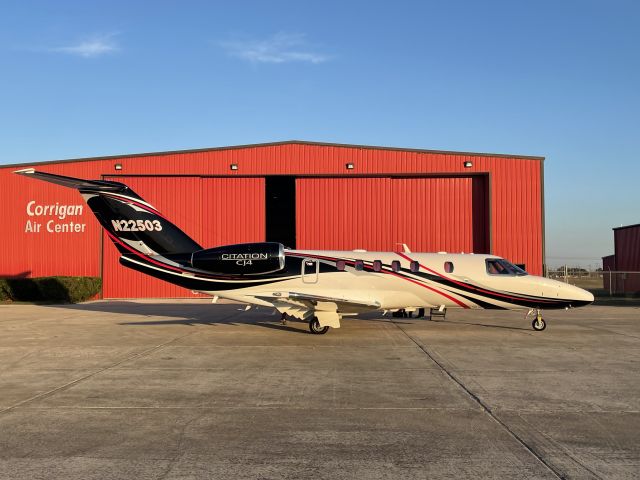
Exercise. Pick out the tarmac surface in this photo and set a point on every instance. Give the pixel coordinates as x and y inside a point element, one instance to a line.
<point>186,389</point>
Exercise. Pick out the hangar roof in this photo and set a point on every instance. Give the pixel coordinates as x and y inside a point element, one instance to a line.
<point>272,144</point>
<point>635,225</point>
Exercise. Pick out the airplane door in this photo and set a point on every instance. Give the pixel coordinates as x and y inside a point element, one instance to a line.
<point>310,270</point>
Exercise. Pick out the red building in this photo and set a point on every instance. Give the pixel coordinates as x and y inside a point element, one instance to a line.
<point>306,195</point>
<point>626,260</point>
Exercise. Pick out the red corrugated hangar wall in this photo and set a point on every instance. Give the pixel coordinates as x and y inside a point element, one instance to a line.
<point>307,195</point>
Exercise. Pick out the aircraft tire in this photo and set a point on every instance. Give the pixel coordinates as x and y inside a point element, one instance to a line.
<point>315,328</point>
<point>539,325</point>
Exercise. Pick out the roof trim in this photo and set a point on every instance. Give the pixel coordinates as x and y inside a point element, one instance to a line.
<point>274,144</point>
<point>627,226</point>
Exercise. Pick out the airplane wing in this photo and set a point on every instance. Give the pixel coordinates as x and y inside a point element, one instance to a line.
<point>313,300</point>
<point>329,310</point>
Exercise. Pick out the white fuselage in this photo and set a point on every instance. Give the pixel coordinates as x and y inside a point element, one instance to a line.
<point>468,285</point>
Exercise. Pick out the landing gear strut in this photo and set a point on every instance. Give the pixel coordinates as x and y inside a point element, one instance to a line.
<point>314,327</point>
<point>538,323</point>
<point>283,319</point>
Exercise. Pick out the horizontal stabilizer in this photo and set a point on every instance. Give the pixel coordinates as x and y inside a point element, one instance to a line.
<point>78,183</point>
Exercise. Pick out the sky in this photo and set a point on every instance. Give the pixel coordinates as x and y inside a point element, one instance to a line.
<point>559,79</point>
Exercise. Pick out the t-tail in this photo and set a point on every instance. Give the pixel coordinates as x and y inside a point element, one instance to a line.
<point>134,226</point>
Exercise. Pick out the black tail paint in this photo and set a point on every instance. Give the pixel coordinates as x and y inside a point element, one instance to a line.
<point>130,222</point>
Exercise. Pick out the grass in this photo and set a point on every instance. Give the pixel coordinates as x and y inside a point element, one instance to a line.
<point>49,289</point>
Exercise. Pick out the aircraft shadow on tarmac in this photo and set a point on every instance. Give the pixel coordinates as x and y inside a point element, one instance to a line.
<point>204,313</point>
<point>188,314</point>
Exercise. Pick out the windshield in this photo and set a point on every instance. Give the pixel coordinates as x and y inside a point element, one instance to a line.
<point>499,266</point>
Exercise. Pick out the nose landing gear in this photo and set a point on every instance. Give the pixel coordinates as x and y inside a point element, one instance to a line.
<point>538,323</point>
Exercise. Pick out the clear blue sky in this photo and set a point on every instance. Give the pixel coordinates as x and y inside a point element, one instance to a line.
<point>554,78</point>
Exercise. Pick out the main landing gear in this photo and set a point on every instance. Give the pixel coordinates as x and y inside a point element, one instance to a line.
<point>538,323</point>
<point>314,327</point>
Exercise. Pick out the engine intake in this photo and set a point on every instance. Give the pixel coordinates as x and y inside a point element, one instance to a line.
<point>241,259</point>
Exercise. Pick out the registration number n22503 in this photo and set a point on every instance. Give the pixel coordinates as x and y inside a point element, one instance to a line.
<point>136,225</point>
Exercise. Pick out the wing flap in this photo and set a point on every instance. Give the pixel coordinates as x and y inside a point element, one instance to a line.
<point>320,302</point>
<point>319,299</point>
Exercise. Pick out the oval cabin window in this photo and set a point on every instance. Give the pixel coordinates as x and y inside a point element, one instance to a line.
<point>359,265</point>
<point>448,267</point>
<point>340,265</point>
<point>377,266</point>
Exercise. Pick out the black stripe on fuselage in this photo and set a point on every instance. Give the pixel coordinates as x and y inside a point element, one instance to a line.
<point>293,267</point>
<point>212,282</point>
<point>504,297</point>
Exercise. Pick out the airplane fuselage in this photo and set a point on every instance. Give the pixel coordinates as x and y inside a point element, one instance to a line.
<point>467,284</point>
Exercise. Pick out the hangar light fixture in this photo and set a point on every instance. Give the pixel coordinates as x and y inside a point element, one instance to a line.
<point>118,166</point>
<point>349,166</point>
<point>233,166</point>
<point>468,164</point>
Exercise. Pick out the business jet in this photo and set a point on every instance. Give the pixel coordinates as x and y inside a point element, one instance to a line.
<point>317,286</point>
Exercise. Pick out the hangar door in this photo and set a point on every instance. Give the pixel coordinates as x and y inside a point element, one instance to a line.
<point>213,211</point>
<point>428,214</point>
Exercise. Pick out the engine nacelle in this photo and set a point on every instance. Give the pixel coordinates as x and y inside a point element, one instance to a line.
<point>241,259</point>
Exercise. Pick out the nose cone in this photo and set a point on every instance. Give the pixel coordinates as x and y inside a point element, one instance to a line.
<point>578,296</point>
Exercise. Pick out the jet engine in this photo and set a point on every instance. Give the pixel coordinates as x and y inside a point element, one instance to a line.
<point>241,259</point>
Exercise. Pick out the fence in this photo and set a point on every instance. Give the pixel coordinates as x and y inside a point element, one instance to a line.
<point>601,281</point>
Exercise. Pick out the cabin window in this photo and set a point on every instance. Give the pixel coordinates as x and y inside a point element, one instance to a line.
<point>340,265</point>
<point>395,265</point>
<point>359,265</point>
<point>377,266</point>
<point>414,267</point>
<point>448,267</point>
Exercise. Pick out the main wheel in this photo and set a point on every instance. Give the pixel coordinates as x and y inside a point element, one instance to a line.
<point>539,324</point>
<point>314,327</point>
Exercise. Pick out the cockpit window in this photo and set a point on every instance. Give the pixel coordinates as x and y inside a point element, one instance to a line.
<point>499,266</point>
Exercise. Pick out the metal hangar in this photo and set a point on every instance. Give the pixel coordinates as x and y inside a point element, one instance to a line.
<point>306,195</point>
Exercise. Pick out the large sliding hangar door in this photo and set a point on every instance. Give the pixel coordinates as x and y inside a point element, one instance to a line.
<point>213,211</point>
<point>427,214</point>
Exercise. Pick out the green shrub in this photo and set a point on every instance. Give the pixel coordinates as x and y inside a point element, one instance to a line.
<point>49,289</point>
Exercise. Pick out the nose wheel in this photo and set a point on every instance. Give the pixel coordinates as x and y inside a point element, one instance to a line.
<point>314,327</point>
<point>538,323</point>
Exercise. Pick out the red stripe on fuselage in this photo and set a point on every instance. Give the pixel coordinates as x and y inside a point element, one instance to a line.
<point>455,300</point>
<point>466,286</point>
